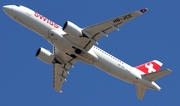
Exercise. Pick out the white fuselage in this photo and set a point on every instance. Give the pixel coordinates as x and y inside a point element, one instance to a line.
<point>54,34</point>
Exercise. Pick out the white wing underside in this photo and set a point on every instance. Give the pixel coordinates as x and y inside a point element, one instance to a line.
<point>101,29</point>
<point>60,71</point>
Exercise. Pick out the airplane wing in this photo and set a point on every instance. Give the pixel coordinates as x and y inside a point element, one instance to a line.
<point>94,32</point>
<point>60,69</point>
<point>103,28</point>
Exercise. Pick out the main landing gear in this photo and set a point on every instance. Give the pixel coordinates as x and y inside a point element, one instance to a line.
<point>77,51</point>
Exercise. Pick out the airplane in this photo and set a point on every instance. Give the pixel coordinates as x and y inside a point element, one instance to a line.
<point>72,44</point>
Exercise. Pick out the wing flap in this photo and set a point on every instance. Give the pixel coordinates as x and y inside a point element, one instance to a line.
<point>156,75</point>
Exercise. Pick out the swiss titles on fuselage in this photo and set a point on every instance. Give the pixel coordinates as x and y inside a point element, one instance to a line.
<point>46,20</point>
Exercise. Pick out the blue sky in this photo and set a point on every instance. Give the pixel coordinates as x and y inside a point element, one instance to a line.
<point>26,81</point>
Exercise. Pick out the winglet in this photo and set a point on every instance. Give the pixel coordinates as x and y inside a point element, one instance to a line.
<point>143,10</point>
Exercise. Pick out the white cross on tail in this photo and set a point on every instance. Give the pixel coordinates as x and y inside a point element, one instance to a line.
<point>150,68</point>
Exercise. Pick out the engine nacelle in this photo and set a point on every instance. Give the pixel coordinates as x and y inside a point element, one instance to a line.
<point>45,55</point>
<point>72,29</point>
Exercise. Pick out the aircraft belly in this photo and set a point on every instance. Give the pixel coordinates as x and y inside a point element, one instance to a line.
<point>114,70</point>
<point>59,42</point>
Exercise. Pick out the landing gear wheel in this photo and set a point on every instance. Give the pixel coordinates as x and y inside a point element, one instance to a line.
<point>78,51</point>
<point>73,56</point>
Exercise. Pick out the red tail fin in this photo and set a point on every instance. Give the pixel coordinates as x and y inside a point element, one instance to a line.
<point>149,67</point>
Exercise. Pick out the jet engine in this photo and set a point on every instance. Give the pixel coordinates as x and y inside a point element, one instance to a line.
<point>72,29</point>
<point>45,55</point>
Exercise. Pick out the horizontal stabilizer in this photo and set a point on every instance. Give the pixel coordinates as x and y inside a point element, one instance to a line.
<point>140,91</point>
<point>156,75</point>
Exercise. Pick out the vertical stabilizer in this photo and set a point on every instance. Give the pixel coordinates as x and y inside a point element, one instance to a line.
<point>140,91</point>
<point>149,67</point>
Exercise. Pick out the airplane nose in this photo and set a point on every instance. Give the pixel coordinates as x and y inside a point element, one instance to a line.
<point>7,9</point>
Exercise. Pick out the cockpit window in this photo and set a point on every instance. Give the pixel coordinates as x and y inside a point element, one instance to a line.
<point>18,5</point>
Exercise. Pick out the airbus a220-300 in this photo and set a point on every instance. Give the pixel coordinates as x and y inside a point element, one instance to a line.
<point>72,44</point>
